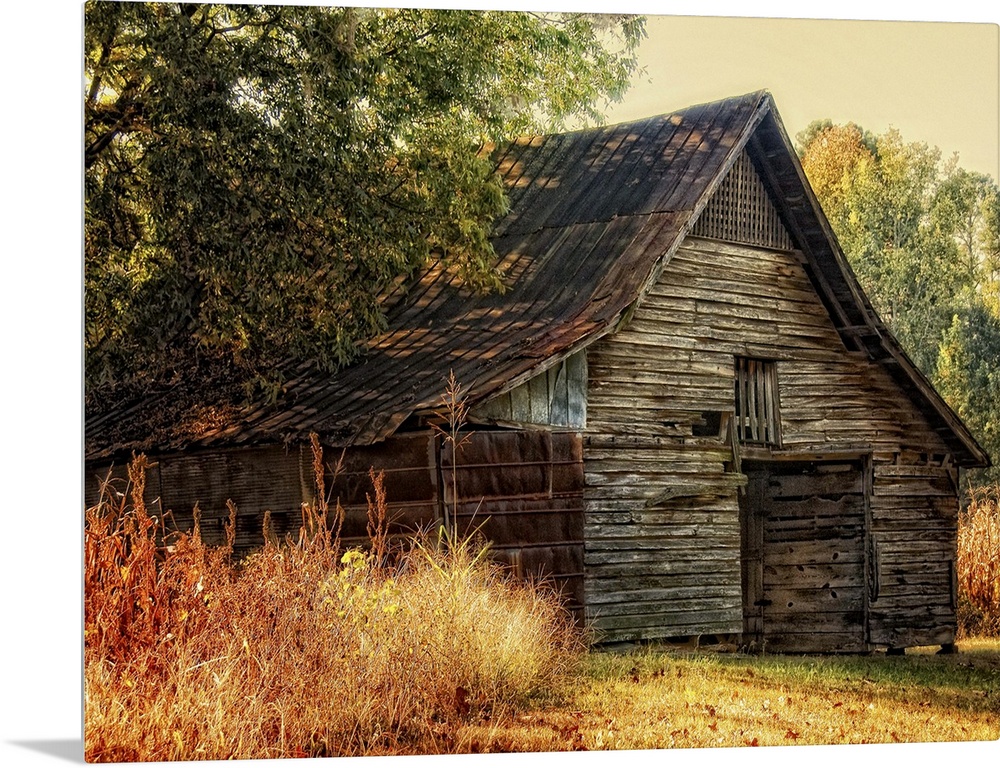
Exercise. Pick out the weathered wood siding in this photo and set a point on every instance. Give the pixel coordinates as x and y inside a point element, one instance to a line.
<point>556,397</point>
<point>914,533</point>
<point>663,535</point>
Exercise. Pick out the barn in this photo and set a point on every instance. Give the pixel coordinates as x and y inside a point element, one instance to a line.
<point>682,408</point>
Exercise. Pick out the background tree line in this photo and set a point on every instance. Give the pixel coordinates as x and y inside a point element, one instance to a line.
<point>923,236</point>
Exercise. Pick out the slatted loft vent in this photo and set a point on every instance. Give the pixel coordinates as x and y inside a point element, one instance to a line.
<point>740,211</point>
<point>757,416</point>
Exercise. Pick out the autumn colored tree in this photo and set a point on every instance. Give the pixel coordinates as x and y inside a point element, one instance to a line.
<point>257,177</point>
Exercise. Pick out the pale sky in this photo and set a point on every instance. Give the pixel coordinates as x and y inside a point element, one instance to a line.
<point>935,82</point>
<point>910,85</point>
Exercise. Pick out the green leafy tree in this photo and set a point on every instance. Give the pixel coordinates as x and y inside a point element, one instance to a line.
<point>257,178</point>
<point>968,373</point>
<point>881,196</point>
<point>964,207</point>
<point>991,253</point>
<point>833,155</point>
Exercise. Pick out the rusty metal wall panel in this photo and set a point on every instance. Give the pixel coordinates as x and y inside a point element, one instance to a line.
<point>525,521</point>
<point>255,479</point>
<point>520,490</point>
<point>409,470</point>
<point>524,492</point>
<point>405,462</point>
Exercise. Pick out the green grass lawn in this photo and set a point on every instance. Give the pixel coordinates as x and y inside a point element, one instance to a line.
<point>659,698</point>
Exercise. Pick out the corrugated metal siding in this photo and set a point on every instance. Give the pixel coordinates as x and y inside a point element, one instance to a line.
<point>256,481</point>
<point>113,482</point>
<point>521,490</point>
<point>409,467</point>
<point>525,488</point>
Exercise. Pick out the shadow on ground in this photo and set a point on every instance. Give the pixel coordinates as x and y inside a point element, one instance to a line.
<point>70,750</point>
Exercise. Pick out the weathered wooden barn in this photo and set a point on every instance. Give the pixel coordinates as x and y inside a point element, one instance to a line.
<point>683,406</point>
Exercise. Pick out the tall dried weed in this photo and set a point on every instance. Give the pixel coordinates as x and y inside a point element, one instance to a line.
<point>979,563</point>
<point>301,649</point>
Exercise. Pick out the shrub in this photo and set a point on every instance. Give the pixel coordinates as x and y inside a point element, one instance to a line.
<point>302,649</point>
<point>979,563</point>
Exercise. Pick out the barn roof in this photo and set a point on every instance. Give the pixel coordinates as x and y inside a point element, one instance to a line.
<point>594,217</point>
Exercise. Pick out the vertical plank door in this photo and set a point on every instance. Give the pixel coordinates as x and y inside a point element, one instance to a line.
<point>803,557</point>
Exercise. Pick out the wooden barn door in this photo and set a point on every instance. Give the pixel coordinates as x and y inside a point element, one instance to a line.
<point>803,567</point>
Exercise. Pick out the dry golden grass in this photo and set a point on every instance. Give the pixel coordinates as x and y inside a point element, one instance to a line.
<point>655,699</point>
<point>979,563</point>
<point>301,649</point>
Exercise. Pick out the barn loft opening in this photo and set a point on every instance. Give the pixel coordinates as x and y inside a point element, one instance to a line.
<point>757,415</point>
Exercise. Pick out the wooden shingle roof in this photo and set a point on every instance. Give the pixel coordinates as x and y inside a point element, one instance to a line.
<point>594,217</point>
